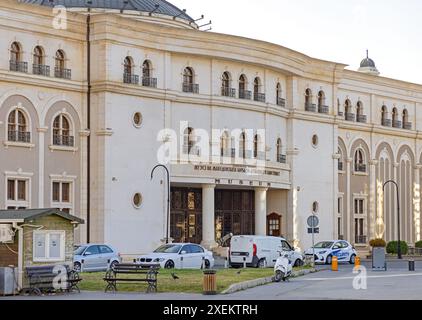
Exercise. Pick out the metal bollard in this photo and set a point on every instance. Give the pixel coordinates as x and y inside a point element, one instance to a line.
<point>244,263</point>
<point>411,265</point>
<point>334,264</point>
<point>357,262</point>
<point>210,283</point>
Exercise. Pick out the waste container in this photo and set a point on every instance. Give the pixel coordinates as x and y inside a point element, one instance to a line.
<point>210,282</point>
<point>411,265</point>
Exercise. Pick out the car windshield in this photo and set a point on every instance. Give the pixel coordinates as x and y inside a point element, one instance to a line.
<point>168,249</point>
<point>324,245</point>
<point>79,251</point>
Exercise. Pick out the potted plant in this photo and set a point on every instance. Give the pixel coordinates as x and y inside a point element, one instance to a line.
<point>378,254</point>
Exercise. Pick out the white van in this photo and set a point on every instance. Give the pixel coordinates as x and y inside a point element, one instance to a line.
<point>261,251</point>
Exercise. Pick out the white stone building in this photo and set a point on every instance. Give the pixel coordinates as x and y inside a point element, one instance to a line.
<point>84,136</point>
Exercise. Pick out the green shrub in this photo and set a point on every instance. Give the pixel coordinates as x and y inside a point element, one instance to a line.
<point>377,243</point>
<point>392,247</point>
<point>418,244</point>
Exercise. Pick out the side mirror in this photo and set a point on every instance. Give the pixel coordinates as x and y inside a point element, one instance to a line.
<point>87,253</point>
<point>183,252</point>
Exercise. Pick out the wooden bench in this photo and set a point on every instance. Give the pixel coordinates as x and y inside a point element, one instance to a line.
<point>47,279</point>
<point>144,273</point>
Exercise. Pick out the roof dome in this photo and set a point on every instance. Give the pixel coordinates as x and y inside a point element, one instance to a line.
<point>158,6</point>
<point>367,62</point>
<point>367,65</point>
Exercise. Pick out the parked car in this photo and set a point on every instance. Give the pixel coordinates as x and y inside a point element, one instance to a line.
<point>179,256</point>
<point>326,250</point>
<point>95,257</point>
<point>261,251</point>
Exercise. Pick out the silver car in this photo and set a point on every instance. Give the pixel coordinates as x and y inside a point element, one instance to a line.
<point>95,257</point>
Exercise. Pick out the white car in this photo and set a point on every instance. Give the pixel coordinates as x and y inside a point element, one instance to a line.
<point>179,256</point>
<point>326,250</point>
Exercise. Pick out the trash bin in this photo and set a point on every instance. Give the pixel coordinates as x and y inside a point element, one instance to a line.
<point>210,282</point>
<point>411,265</point>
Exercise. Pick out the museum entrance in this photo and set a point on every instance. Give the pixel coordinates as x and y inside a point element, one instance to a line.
<point>234,212</point>
<point>186,215</point>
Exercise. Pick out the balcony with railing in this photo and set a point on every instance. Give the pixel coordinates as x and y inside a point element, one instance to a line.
<point>130,78</point>
<point>360,167</point>
<point>407,126</point>
<point>340,114</point>
<point>41,70</point>
<point>245,94</point>
<point>350,117</point>
<point>281,158</point>
<point>18,66</point>
<point>310,107</point>
<point>19,136</point>
<point>323,109</point>
<point>361,118</point>
<point>397,124</point>
<point>386,122</point>
<point>228,92</point>
<point>260,97</point>
<point>149,82</point>
<point>63,73</point>
<point>191,88</point>
<point>359,239</point>
<point>65,141</point>
<point>281,102</point>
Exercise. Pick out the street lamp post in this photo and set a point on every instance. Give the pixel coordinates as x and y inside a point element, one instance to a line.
<point>399,255</point>
<point>168,197</point>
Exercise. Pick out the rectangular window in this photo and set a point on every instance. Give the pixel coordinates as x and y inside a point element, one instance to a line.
<point>56,191</point>
<point>21,190</point>
<point>48,246</point>
<point>10,189</point>
<point>66,192</point>
<point>62,195</point>
<point>359,206</point>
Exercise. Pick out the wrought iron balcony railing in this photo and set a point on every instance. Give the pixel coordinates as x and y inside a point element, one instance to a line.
<point>407,126</point>
<point>323,109</point>
<point>359,239</point>
<point>67,141</point>
<point>41,70</point>
<point>63,73</point>
<point>19,136</point>
<point>130,78</point>
<point>350,117</point>
<point>191,88</point>
<point>228,92</point>
<point>397,124</point>
<point>18,66</point>
<point>311,107</point>
<point>260,97</point>
<point>149,82</point>
<point>281,158</point>
<point>360,167</point>
<point>245,94</point>
<point>361,118</point>
<point>281,102</point>
<point>386,122</point>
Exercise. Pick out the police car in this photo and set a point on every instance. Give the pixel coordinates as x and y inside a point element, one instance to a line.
<point>326,250</point>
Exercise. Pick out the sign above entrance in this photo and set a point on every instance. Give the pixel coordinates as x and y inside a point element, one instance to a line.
<point>240,169</point>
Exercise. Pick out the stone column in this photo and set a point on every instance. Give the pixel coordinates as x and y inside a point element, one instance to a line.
<point>372,198</point>
<point>41,165</point>
<point>261,211</point>
<point>417,202</point>
<point>348,197</point>
<point>208,216</point>
<point>396,174</point>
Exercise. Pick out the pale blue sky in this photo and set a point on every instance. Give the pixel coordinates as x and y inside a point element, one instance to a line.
<point>335,30</point>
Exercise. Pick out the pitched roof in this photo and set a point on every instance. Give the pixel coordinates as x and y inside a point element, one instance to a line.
<point>30,214</point>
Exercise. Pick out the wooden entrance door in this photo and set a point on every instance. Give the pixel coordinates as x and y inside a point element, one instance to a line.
<point>186,215</point>
<point>274,225</point>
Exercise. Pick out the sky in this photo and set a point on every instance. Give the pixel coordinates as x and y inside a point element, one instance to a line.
<point>333,30</point>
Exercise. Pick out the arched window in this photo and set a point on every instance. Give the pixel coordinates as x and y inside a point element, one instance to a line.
<point>396,121</point>
<point>258,96</point>
<point>340,160</point>
<point>147,79</point>
<point>38,55</point>
<point>62,131</point>
<point>280,157</point>
<point>128,76</point>
<point>17,125</point>
<point>226,85</point>
<point>128,66</point>
<point>308,101</point>
<point>188,81</point>
<point>384,120</point>
<point>347,106</point>
<point>279,96</point>
<point>406,124</point>
<point>15,52</point>
<point>39,66</point>
<point>242,145</point>
<point>60,70</point>
<point>189,140</point>
<point>322,108</point>
<point>225,145</point>
<point>359,113</point>
<point>243,83</point>
<point>360,165</point>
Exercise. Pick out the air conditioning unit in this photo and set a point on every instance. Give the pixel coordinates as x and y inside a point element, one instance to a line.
<point>6,233</point>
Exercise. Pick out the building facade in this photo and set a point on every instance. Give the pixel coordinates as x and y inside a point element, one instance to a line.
<point>258,136</point>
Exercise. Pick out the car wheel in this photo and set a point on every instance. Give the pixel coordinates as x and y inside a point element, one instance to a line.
<point>329,260</point>
<point>352,259</point>
<point>169,265</point>
<point>77,267</point>
<point>279,275</point>
<point>113,264</point>
<point>262,264</point>
<point>207,264</point>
